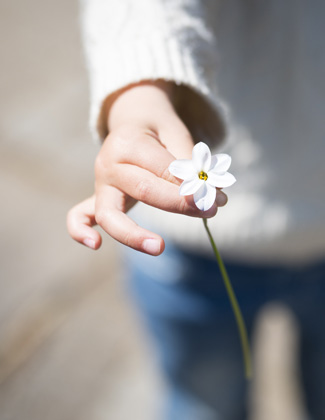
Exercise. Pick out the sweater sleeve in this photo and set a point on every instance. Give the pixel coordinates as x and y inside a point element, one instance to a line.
<point>127,42</point>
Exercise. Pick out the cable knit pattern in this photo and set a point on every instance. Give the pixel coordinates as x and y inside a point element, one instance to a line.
<point>270,73</point>
<point>128,41</point>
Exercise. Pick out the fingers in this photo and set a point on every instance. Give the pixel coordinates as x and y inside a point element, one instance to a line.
<point>140,170</point>
<point>80,220</point>
<point>148,188</point>
<point>146,152</point>
<point>132,167</point>
<point>111,217</point>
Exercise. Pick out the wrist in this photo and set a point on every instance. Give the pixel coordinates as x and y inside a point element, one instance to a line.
<point>145,103</point>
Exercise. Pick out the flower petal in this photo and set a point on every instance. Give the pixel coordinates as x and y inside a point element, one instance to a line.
<point>190,186</point>
<point>205,197</point>
<point>182,168</point>
<point>201,157</point>
<point>221,180</point>
<point>220,163</point>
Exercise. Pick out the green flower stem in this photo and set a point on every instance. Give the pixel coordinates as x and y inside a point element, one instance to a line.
<point>235,306</point>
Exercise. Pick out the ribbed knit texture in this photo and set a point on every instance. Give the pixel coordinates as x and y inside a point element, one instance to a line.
<point>128,41</point>
<point>265,61</point>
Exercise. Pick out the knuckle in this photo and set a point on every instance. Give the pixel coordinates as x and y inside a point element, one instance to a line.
<point>167,176</point>
<point>115,143</point>
<point>100,165</point>
<point>144,190</point>
<point>114,151</point>
<point>132,239</point>
<point>120,145</point>
<point>104,169</point>
<point>183,207</point>
<point>127,240</point>
<point>100,216</point>
<point>72,219</point>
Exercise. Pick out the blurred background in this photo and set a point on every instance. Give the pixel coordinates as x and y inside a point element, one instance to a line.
<point>71,346</point>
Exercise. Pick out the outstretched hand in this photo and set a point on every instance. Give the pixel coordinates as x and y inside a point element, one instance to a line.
<point>146,135</point>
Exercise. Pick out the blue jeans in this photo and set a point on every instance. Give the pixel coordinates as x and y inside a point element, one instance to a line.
<point>185,307</point>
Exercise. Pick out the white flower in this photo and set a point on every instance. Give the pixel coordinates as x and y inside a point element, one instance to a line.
<point>202,174</point>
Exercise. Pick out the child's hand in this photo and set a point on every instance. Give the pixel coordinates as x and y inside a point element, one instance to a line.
<point>146,135</point>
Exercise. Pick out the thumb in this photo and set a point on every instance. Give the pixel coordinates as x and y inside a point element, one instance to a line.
<point>80,222</point>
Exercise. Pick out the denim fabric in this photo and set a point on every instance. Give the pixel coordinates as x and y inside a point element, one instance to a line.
<point>185,307</point>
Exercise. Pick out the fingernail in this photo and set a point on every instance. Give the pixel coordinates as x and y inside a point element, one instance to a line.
<point>89,242</point>
<point>151,246</point>
<point>221,199</point>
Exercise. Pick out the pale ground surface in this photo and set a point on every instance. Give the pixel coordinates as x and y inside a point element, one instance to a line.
<point>70,345</point>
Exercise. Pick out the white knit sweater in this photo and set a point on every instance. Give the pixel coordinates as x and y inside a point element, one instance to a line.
<point>258,65</point>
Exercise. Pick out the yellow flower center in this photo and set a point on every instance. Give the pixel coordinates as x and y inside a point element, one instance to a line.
<point>203,175</point>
